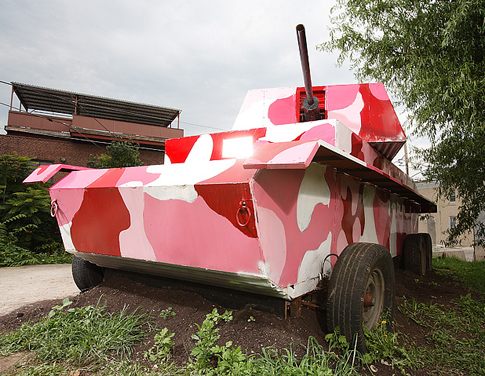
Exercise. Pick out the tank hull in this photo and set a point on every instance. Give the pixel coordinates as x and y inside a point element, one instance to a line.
<point>264,210</point>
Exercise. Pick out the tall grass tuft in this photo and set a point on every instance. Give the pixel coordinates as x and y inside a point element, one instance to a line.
<point>86,335</point>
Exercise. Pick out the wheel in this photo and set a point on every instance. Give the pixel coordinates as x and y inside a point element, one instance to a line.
<point>416,251</point>
<point>361,290</point>
<point>85,274</point>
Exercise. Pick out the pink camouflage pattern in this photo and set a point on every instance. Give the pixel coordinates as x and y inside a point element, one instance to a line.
<point>259,208</point>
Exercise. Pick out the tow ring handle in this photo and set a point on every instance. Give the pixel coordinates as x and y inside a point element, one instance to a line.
<point>54,208</point>
<point>243,212</point>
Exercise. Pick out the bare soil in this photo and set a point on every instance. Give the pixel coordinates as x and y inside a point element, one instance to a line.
<point>252,329</point>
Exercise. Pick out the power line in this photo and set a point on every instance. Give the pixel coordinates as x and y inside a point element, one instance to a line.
<point>57,121</point>
<point>203,126</point>
<point>126,111</point>
<point>94,105</point>
<point>113,135</point>
<point>87,139</point>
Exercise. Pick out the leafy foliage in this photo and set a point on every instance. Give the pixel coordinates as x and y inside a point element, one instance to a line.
<point>207,335</point>
<point>431,55</point>
<point>209,358</point>
<point>160,351</point>
<point>27,231</point>
<point>33,204</point>
<point>168,312</point>
<point>118,154</point>
<point>11,253</point>
<point>337,340</point>
<point>13,170</point>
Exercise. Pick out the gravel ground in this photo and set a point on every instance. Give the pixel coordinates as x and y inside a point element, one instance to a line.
<point>25,285</point>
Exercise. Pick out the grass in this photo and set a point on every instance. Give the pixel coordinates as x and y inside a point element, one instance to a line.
<point>471,274</point>
<point>92,339</point>
<point>455,335</point>
<point>83,336</point>
<point>385,346</point>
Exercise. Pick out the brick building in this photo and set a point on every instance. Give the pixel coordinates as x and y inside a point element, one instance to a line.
<point>54,126</point>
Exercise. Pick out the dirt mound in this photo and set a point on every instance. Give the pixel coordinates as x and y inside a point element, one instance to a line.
<point>250,328</point>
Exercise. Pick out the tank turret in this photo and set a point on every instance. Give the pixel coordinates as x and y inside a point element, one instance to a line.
<point>311,112</point>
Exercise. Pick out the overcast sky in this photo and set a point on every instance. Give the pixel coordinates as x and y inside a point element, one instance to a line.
<point>197,56</point>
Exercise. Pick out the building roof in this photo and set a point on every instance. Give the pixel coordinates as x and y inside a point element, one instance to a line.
<point>427,185</point>
<point>70,103</point>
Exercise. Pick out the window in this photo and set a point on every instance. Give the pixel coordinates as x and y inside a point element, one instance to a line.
<point>453,197</point>
<point>34,163</point>
<point>452,222</point>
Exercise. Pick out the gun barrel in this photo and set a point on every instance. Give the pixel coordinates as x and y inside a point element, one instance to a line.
<point>310,104</point>
<point>305,63</point>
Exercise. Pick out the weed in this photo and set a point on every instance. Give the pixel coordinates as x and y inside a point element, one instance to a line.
<point>337,340</point>
<point>415,311</point>
<point>98,341</point>
<point>383,345</point>
<point>164,313</point>
<point>61,345</point>
<point>204,351</point>
<point>160,351</point>
<point>213,359</point>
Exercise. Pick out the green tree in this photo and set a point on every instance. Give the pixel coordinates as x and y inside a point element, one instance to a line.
<point>13,170</point>
<point>118,154</point>
<point>430,54</point>
<point>33,228</point>
<point>32,205</point>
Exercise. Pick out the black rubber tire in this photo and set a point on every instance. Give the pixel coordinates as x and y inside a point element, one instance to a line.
<point>85,274</point>
<point>415,254</point>
<point>362,270</point>
<point>428,249</point>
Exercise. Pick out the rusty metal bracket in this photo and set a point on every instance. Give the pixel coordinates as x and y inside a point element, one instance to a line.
<point>294,308</point>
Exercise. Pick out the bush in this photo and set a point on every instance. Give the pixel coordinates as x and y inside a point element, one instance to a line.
<point>119,154</point>
<point>28,234</point>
